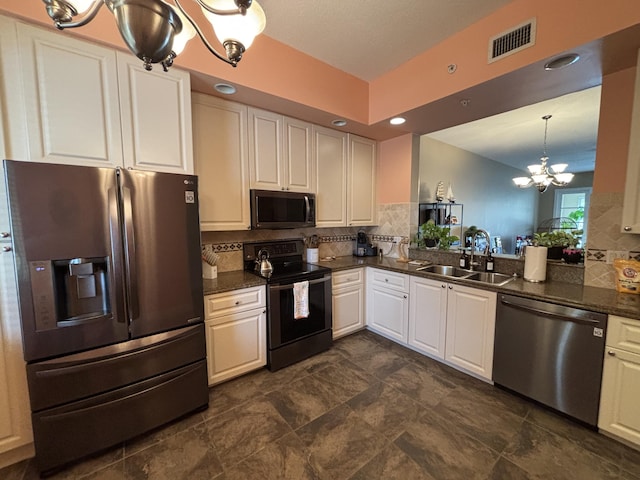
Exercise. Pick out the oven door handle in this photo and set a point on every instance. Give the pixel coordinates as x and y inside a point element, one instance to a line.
<point>289,286</point>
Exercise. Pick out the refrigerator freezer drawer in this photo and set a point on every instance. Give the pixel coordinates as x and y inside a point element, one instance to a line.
<point>73,377</point>
<point>72,431</point>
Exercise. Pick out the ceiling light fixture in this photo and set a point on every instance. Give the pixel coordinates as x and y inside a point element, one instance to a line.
<point>397,120</point>
<point>561,62</point>
<point>157,31</point>
<point>541,177</point>
<point>339,122</point>
<point>225,88</point>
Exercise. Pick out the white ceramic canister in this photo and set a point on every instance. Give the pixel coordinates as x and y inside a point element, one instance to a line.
<point>312,255</point>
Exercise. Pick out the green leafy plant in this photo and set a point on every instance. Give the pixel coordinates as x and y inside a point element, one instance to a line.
<point>430,234</point>
<point>556,238</point>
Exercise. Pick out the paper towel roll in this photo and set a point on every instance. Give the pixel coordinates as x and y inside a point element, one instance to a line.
<point>535,264</point>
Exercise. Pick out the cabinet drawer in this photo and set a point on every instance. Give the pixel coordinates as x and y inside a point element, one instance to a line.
<point>235,301</point>
<point>395,281</point>
<point>624,333</point>
<point>347,278</point>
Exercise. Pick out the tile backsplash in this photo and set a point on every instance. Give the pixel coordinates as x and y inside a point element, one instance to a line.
<point>606,241</point>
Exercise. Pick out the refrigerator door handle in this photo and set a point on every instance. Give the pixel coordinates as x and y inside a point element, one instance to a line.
<point>130,255</point>
<point>116,254</point>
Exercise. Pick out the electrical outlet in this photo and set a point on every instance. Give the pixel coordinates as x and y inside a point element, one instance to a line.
<point>613,254</point>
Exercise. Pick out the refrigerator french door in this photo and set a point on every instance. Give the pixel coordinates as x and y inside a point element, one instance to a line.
<point>108,266</point>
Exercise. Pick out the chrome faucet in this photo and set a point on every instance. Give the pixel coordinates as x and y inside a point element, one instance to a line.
<point>487,249</point>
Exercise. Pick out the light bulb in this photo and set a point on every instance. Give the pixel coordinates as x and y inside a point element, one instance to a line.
<point>559,167</point>
<point>239,28</point>
<point>535,169</point>
<point>187,33</point>
<point>522,181</point>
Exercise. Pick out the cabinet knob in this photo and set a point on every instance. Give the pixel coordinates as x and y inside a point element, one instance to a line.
<point>6,249</point>
<point>386,279</point>
<point>405,296</point>
<point>5,234</point>
<point>450,287</point>
<point>238,302</point>
<point>627,228</point>
<point>611,353</point>
<point>443,286</point>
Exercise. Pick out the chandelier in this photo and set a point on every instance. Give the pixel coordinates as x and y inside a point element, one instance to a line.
<point>541,175</point>
<point>156,31</point>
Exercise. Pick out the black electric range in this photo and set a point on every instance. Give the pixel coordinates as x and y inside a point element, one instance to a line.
<point>291,339</point>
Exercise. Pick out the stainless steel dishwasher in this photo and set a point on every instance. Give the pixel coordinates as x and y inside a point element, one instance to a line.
<point>550,353</point>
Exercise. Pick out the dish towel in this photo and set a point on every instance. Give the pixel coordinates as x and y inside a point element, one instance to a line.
<point>301,300</point>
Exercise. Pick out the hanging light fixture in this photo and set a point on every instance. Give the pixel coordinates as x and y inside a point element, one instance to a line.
<point>157,31</point>
<point>541,175</point>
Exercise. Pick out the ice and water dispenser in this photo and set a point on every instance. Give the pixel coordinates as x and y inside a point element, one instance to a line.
<point>68,292</point>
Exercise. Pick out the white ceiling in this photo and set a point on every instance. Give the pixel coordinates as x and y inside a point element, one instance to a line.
<point>370,38</point>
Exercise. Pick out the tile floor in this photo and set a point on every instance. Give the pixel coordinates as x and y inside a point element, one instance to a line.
<point>366,409</point>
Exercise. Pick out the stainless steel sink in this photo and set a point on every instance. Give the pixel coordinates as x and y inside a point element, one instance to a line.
<point>446,270</point>
<point>492,278</point>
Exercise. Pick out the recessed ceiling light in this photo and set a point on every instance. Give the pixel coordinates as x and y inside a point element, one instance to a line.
<point>225,88</point>
<point>397,120</point>
<point>563,61</point>
<point>339,122</point>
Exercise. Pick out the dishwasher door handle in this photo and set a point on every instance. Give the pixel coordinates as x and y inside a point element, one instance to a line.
<point>559,316</point>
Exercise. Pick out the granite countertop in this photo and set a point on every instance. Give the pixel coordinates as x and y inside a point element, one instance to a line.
<point>591,298</point>
<point>234,280</point>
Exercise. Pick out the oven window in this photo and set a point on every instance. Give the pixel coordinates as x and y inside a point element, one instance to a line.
<point>284,328</point>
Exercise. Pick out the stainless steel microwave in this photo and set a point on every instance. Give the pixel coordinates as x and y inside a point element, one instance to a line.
<point>275,209</point>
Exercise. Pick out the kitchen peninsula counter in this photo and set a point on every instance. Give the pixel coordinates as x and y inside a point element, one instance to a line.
<point>575,295</point>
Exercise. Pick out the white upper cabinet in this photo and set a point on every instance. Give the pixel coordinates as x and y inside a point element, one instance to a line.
<point>330,156</point>
<point>71,97</point>
<point>279,152</point>
<point>631,205</point>
<point>156,117</point>
<point>345,167</point>
<point>361,187</point>
<point>221,163</point>
<point>90,105</point>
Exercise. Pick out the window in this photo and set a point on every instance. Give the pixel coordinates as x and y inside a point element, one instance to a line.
<point>573,203</point>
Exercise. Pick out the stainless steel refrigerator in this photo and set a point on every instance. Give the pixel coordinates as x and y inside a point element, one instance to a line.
<point>108,265</point>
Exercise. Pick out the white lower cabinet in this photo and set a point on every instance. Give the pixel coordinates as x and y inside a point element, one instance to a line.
<point>347,301</point>
<point>388,303</point>
<point>236,324</point>
<point>453,323</point>
<point>428,316</point>
<point>471,323</point>
<point>619,412</point>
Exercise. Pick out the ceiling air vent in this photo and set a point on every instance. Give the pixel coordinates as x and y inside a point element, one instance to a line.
<point>512,41</point>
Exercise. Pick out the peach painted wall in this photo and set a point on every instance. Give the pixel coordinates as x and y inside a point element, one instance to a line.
<point>276,69</point>
<point>561,25</point>
<point>614,126</point>
<point>268,66</point>
<point>394,178</point>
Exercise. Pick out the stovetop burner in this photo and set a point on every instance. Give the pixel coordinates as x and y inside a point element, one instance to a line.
<point>286,256</point>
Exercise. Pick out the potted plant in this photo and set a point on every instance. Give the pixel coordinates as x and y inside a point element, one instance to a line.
<point>431,235</point>
<point>556,241</point>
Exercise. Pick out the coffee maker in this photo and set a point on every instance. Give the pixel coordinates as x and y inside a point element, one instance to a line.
<point>363,248</point>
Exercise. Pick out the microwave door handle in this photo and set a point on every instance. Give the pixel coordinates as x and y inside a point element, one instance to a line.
<point>308,209</point>
<point>130,255</point>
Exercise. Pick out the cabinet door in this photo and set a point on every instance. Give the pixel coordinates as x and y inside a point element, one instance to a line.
<point>619,412</point>
<point>297,155</point>
<point>361,185</point>
<point>236,344</point>
<point>348,310</point>
<point>471,317</point>
<point>428,316</point>
<point>221,163</point>
<point>388,312</point>
<point>265,150</point>
<point>71,95</point>
<point>156,117</point>
<point>631,204</point>
<point>330,156</point>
